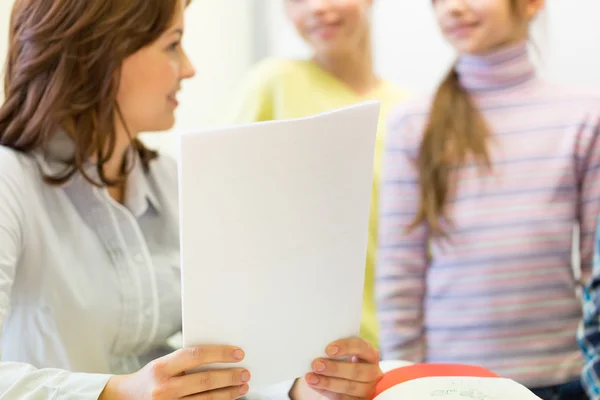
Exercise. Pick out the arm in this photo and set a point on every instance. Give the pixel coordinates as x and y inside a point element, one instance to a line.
<point>19,380</point>
<point>402,256</point>
<point>161,378</point>
<point>588,169</point>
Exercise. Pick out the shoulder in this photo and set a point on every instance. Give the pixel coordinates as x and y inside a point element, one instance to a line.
<point>163,178</point>
<point>408,119</point>
<point>15,167</point>
<point>569,98</point>
<point>575,105</point>
<point>259,96</point>
<point>393,91</point>
<point>164,169</point>
<point>9,160</point>
<point>18,176</point>
<point>272,70</point>
<point>412,109</point>
<point>390,95</point>
<point>553,89</point>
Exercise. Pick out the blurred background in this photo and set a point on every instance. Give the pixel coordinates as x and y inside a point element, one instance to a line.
<point>225,38</point>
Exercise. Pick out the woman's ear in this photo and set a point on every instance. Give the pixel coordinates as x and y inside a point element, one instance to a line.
<point>533,7</point>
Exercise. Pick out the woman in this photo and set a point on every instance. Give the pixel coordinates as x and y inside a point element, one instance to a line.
<point>339,73</point>
<point>89,280</point>
<point>484,183</point>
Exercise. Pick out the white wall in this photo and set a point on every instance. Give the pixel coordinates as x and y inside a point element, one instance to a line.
<point>410,51</point>
<point>220,42</point>
<point>574,41</point>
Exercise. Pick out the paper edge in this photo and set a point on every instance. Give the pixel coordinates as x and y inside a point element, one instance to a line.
<point>223,128</point>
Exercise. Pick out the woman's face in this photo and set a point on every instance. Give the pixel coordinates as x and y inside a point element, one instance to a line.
<point>480,26</point>
<point>151,78</point>
<point>331,26</point>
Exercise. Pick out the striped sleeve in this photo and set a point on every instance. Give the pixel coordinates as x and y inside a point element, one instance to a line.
<point>402,256</point>
<point>588,169</point>
<point>589,333</point>
<point>20,380</point>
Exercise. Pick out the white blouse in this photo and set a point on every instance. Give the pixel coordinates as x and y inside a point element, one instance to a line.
<point>88,287</point>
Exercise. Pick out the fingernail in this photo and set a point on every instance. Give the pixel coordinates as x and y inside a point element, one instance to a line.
<point>245,376</point>
<point>319,366</point>
<point>243,389</point>
<point>313,380</point>
<point>333,350</point>
<point>238,354</point>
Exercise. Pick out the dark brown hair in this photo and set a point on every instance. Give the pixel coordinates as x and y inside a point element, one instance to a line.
<point>63,69</point>
<point>455,132</point>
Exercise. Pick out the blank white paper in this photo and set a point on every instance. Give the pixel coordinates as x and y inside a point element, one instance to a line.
<point>274,229</point>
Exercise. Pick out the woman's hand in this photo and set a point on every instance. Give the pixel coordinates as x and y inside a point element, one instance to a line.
<point>165,377</point>
<point>355,378</point>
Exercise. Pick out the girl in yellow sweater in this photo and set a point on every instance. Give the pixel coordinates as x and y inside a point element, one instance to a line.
<point>340,73</point>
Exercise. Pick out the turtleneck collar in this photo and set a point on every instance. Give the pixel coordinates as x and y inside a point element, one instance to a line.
<point>501,69</point>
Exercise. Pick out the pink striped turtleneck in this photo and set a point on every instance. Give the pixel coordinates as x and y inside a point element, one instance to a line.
<point>501,292</point>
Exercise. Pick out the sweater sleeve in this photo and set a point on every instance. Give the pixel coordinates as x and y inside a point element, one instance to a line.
<point>402,255</point>
<point>20,380</point>
<point>588,170</point>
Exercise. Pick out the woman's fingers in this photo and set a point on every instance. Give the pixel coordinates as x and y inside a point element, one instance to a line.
<point>341,387</point>
<point>209,381</point>
<point>231,393</point>
<point>190,358</point>
<point>353,347</point>
<point>352,373</point>
<point>355,371</point>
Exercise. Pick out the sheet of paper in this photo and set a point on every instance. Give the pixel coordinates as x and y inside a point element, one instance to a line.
<point>274,231</point>
<point>459,388</point>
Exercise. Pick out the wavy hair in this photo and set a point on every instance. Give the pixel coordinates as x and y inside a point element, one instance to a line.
<point>62,73</point>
